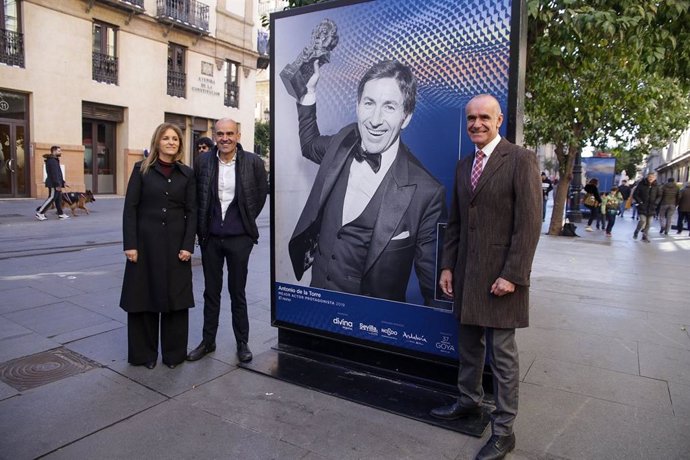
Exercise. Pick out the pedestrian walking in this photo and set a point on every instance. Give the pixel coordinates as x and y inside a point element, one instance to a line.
<point>667,204</point>
<point>592,202</point>
<point>625,191</point>
<point>612,203</point>
<point>683,208</point>
<point>54,182</point>
<point>646,196</point>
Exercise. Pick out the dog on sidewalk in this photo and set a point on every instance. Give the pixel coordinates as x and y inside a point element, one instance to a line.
<point>75,200</point>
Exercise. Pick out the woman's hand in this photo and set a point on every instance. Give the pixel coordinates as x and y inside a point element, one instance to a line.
<point>132,255</point>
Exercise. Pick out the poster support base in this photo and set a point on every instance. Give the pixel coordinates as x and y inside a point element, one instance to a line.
<point>402,394</point>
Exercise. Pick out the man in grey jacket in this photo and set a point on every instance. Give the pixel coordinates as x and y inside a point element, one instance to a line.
<point>667,205</point>
<point>231,191</point>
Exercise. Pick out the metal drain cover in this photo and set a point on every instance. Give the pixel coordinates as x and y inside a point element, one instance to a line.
<point>42,368</point>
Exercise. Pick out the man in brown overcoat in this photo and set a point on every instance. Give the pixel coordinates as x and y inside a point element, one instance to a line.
<point>492,234</point>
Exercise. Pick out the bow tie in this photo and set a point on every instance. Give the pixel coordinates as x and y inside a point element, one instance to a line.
<point>374,159</point>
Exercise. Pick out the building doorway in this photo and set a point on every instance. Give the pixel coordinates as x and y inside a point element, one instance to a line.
<point>14,142</point>
<point>99,155</point>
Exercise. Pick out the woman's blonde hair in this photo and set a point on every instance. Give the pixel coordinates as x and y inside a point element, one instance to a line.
<point>155,140</point>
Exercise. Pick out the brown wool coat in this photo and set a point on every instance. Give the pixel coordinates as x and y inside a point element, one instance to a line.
<point>493,233</point>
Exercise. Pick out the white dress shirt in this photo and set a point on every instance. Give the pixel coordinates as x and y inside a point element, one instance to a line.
<point>226,183</point>
<point>363,182</point>
<point>488,150</point>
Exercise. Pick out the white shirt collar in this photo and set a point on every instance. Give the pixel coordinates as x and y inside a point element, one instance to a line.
<point>489,148</point>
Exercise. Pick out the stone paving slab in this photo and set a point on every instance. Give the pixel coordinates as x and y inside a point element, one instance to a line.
<point>181,431</point>
<point>328,426</point>
<point>603,384</point>
<point>54,415</point>
<point>568,425</point>
<point>665,363</point>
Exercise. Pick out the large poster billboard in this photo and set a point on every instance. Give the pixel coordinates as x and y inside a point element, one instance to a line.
<point>368,123</point>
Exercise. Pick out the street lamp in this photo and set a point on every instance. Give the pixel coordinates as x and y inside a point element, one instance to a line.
<point>574,214</point>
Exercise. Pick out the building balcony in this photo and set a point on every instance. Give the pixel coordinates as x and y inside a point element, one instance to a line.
<point>186,14</point>
<point>11,48</point>
<point>177,82</point>
<point>127,5</point>
<point>104,68</point>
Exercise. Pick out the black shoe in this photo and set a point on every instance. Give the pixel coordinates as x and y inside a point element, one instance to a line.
<point>455,411</point>
<point>201,351</point>
<point>497,447</point>
<point>635,235</point>
<point>150,364</point>
<point>244,354</point>
<point>171,366</point>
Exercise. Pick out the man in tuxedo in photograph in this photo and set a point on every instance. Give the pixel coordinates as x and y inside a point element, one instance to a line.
<point>490,241</point>
<point>373,209</point>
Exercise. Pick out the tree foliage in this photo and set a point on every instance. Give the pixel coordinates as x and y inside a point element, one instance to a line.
<point>262,138</point>
<point>602,71</point>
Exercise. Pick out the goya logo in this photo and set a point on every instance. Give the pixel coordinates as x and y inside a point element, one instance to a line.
<point>445,345</point>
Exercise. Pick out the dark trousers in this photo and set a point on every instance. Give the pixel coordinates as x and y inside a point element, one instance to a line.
<point>474,343</point>
<point>594,214</point>
<point>610,220</point>
<point>142,336</point>
<point>682,216</point>
<point>53,197</point>
<point>235,251</point>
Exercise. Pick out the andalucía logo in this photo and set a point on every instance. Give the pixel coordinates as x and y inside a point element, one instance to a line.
<point>414,338</point>
<point>445,345</point>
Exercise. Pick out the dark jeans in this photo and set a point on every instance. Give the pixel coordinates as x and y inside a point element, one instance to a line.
<point>594,212</point>
<point>234,251</point>
<point>610,220</point>
<point>682,217</point>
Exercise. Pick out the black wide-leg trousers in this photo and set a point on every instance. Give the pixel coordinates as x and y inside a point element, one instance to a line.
<point>142,336</point>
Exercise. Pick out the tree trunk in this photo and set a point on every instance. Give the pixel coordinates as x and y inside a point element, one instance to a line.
<point>566,161</point>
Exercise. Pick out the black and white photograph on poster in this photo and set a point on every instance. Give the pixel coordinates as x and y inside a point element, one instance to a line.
<point>368,122</point>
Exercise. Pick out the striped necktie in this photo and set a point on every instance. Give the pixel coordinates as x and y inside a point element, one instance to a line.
<point>477,169</point>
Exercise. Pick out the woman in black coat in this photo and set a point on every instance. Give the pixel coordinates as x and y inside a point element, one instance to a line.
<point>159,223</point>
<point>594,211</point>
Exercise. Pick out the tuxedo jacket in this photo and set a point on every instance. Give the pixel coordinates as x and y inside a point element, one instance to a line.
<point>405,232</point>
<point>493,232</point>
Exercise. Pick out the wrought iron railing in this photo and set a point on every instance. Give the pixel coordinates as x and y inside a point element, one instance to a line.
<point>11,48</point>
<point>188,13</point>
<point>104,68</point>
<point>176,83</point>
<point>125,3</point>
<point>232,95</point>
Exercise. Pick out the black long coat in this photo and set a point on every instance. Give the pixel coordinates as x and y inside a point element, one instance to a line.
<point>159,220</point>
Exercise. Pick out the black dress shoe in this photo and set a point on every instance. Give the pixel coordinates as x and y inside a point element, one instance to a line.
<point>201,351</point>
<point>497,447</point>
<point>150,364</point>
<point>244,354</point>
<point>171,366</point>
<point>455,411</point>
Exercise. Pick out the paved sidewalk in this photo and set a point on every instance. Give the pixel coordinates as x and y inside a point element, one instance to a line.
<point>605,365</point>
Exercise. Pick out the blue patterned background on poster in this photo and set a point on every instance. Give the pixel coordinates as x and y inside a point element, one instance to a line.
<point>457,49</point>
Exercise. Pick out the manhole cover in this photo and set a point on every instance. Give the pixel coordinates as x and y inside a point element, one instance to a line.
<point>42,368</point>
